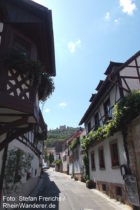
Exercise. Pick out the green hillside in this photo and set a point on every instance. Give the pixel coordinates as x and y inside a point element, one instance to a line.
<point>59,134</point>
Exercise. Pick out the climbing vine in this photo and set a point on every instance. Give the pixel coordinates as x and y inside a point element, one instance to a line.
<point>17,166</point>
<point>124,112</point>
<point>74,143</point>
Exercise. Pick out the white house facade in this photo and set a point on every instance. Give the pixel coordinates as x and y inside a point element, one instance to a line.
<point>108,156</point>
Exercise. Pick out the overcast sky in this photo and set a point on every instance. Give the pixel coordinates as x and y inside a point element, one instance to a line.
<point>88,35</point>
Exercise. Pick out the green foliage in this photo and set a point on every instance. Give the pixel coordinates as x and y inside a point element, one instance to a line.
<point>46,87</point>
<point>124,112</point>
<point>86,166</point>
<point>57,134</point>
<point>74,143</point>
<point>57,162</point>
<point>51,158</point>
<point>90,184</point>
<point>18,164</point>
<point>42,82</point>
<point>127,109</point>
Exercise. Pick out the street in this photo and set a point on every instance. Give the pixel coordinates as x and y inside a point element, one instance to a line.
<point>60,192</point>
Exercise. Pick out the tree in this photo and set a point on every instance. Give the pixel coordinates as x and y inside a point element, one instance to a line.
<point>51,158</point>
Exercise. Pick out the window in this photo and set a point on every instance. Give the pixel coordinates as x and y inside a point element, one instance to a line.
<point>118,191</point>
<point>114,154</point>
<point>101,158</point>
<point>22,45</point>
<point>107,110</point>
<point>89,126</point>
<point>96,120</point>
<point>92,161</point>
<point>104,187</point>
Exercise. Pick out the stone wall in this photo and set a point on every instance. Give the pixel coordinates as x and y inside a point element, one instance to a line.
<point>116,191</point>
<point>133,143</point>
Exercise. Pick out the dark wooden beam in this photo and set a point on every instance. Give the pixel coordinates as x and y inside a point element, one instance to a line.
<point>116,83</point>
<point>31,146</point>
<point>14,135</point>
<point>137,69</point>
<point>12,125</point>
<point>14,115</point>
<point>129,77</point>
<point>126,84</point>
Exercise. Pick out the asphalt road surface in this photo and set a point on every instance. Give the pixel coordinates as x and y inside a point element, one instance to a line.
<point>67,194</point>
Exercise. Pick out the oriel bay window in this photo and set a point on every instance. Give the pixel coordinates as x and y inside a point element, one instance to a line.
<point>92,161</point>
<point>114,154</point>
<point>101,158</point>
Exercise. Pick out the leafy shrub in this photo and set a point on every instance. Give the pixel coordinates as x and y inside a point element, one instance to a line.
<point>90,184</point>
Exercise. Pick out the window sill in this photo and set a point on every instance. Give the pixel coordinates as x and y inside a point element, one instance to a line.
<point>102,169</point>
<point>116,167</point>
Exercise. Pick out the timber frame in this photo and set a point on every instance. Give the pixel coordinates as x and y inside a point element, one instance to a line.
<point>119,75</point>
<point>19,104</point>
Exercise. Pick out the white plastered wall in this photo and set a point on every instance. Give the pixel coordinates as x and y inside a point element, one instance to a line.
<point>77,162</point>
<point>133,84</point>
<point>109,174</point>
<point>27,185</point>
<point>114,96</point>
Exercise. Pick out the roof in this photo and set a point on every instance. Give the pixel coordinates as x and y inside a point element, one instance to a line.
<point>75,135</point>
<point>99,85</point>
<point>112,69</point>
<point>34,21</point>
<point>92,97</point>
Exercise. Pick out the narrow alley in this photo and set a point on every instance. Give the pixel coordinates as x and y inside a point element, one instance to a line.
<point>71,195</point>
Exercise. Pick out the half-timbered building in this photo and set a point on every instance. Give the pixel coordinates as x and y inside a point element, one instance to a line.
<point>107,156</point>
<point>26,58</point>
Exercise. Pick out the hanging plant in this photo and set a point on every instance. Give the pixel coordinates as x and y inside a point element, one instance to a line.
<point>42,82</point>
<point>46,87</point>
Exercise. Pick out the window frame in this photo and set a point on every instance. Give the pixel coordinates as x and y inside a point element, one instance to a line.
<point>89,126</point>
<point>96,120</point>
<point>101,159</point>
<point>107,112</point>
<point>114,163</point>
<point>92,158</point>
<point>33,49</point>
